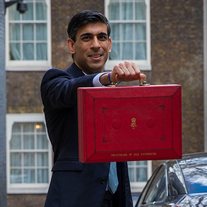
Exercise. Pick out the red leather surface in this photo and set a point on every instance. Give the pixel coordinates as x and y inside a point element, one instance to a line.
<point>130,123</point>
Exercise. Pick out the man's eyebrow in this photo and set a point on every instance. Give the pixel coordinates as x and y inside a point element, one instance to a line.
<point>87,33</point>
<point>103,33</point>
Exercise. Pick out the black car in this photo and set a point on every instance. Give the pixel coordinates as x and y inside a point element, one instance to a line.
<point>177,183</point>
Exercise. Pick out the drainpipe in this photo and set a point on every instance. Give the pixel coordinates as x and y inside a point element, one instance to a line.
<point>3,190</point>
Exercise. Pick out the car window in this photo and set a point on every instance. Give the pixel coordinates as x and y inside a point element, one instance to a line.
<point>176,187</point>
<point>157,190</point>
<point>176,182</point>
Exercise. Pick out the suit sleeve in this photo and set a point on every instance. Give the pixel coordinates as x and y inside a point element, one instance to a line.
<point>59,89</point>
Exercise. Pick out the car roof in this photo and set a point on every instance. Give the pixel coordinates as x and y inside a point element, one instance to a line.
<point>194,159</point>
<point>194,155</point>
<point>194,169</point>
<point>187,157</point>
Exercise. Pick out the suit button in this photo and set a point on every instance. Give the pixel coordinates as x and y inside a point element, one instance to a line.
<point>103,180</point>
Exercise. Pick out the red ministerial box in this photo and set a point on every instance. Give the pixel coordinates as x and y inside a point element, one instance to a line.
<point>129,123</point>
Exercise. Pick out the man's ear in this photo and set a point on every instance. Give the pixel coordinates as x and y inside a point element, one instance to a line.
<point>110,44</point>
<point>71,45</point>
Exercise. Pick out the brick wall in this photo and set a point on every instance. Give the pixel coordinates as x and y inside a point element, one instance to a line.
<point>23,92</point>
<point>28,200</point>
<point>177,57</point>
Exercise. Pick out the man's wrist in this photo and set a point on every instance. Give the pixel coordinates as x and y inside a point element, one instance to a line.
<point>104,80</point>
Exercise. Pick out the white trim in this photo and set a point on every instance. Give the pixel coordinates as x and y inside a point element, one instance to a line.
<point>24,188</point>
<point>16,65</point>
<point>142,64</point>
<point>205,70</point>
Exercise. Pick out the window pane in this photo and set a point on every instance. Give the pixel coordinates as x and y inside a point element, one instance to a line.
<point>28,32</point>
<point>41,11</point>
<point>41,32</point>
<point>15,51</point>
<point>140,8</point>
<point>141,174</point>
<point>13,13</point>
<point>127,51</point>
<point>29,176</point>
<point>143,163</point>
<point>130,31</point>
<point>127,11</point>
<point>40,127</point>
<point>16,127</point>
<point>28,51</point>
<point>42,142</point>
<point>141,51</point>
<point>115,32</point>
<point>42,159</point>
<point>114,9</point>
<point>130,163</point>
<point>15,160</point>
<point>14,31</point>
<point>15,142</point>
<point>131,174</point>
<point>16,176</point>
<point>29,159</point>
<point>29,15</point>
<point>29,163</point>
<point>28,127</point>
<point>28,141</point>
<point>42,176</point>
<point>115,52</point>
<point>140,31</point>
<point>41,51</point>
<point>127,32</point>
<point>138,171</point>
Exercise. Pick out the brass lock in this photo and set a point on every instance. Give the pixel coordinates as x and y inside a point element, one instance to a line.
<point>143,83</point>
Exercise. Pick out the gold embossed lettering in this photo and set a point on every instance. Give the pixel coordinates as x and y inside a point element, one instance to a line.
<point>148,154</point>
<point>119,155</point>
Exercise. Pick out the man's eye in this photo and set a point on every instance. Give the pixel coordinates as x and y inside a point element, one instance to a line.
<point>103,37</point>
<point>85,38</point>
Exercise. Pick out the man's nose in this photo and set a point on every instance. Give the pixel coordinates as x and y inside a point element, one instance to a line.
<point>95,42</point>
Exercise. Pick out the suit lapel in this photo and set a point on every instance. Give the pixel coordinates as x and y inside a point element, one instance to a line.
<point>75,71</point>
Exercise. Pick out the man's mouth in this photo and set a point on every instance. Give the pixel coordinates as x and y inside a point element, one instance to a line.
<point>96,56</point>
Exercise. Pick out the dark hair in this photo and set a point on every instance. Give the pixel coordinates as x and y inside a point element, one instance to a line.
<point>84,17</point>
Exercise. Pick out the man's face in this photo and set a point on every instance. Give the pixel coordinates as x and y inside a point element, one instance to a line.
<point>91,48</point>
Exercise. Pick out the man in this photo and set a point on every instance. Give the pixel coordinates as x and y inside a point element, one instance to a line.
<point>75,184</point>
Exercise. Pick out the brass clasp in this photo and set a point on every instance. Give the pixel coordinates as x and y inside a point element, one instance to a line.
<point>143,83</point>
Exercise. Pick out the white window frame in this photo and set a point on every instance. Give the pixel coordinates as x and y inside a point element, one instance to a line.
<point>19,65</point>
<point>142,64</point>
<point>24,188</point>
<point>137,187</point>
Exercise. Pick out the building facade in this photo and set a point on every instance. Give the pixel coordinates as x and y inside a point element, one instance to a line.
<point>165,38</point>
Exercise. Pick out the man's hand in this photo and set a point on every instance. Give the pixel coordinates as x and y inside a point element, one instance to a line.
<point>127,71</point>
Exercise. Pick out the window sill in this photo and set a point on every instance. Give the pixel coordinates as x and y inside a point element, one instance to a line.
<point>28,66</point>
<point>21,190</point>
<point>137,187</point>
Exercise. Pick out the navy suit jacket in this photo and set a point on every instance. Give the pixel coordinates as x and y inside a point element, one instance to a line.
<point>74,183</point>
